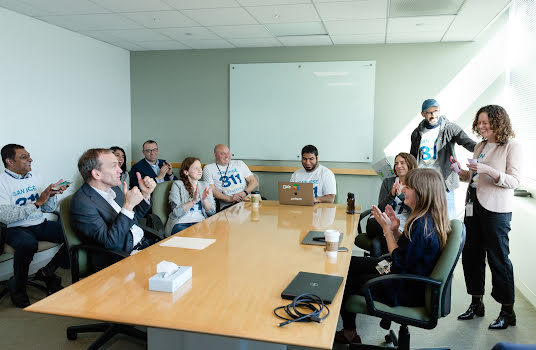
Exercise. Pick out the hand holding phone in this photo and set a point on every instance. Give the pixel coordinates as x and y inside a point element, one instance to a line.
<point>57,187</point>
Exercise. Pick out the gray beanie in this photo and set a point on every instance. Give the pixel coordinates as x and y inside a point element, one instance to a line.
<point>429,103</point>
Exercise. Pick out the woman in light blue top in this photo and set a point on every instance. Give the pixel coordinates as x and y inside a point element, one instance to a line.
<point>188,207</point>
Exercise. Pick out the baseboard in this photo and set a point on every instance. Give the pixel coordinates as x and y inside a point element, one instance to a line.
<point>527,293</point>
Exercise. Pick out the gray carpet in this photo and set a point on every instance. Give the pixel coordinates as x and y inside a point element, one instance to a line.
<point>25,330</point>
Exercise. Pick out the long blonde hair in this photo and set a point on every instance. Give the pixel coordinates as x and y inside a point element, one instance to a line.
<point>430,198</point>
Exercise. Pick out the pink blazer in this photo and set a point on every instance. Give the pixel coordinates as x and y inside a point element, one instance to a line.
<point>498,196</point>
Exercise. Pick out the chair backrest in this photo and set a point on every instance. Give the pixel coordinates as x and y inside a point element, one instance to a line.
<point>71,236</point>
<point>444,267</point>
<point>258,183</point>
<point>160,200</point>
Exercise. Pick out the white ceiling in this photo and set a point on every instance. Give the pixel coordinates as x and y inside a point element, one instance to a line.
<point>139,25</point>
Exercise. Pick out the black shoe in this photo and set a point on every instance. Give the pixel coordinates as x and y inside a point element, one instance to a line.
<point>19,298</point>
<point>475,309</point>
<point>341,339</point>
<point>504,320</point>
<point>52,281</point>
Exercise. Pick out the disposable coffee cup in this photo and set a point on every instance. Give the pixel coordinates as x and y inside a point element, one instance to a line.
<point>456,168</point>
<point>472,160</point>
<point>332,242</point>
<point>255,199</point>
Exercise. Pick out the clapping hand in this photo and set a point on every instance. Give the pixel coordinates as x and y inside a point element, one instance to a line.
<point>387,220</point>
<point>206,192</point>
<point>147,185</point>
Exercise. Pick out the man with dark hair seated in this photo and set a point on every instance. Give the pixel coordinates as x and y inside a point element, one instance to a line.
<point>24,198</point>
<point>105,214</point>
<point>151,166</point>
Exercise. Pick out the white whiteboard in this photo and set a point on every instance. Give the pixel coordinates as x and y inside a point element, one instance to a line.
<point>277,108</point>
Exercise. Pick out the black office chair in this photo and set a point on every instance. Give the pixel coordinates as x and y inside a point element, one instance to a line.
<point>437,295</point>
<point>371,245</point>
<point>82,265</point>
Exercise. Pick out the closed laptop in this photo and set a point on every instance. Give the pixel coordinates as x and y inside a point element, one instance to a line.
<point>324,286</point>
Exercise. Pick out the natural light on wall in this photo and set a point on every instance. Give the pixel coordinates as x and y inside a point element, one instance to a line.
<point>463,89</point>
<point>521,82</point>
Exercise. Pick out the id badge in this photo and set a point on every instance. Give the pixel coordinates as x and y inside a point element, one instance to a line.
<point>469,209</point>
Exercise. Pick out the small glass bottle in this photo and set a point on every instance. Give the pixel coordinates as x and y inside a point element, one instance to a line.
<point>350,203</point>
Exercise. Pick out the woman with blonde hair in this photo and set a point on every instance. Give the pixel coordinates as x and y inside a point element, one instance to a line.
<point>188,207</point>
<point>414,250</point>
<point>494,173</point>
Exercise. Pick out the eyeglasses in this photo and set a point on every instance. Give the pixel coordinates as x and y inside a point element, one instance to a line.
<point>154,150</point>
<point>436,112</point>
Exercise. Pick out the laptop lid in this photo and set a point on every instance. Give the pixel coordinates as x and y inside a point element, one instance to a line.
<point>296,193</point>
<point>325,286</point>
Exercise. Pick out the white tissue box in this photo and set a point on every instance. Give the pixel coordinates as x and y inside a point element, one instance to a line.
<point>170,283</point>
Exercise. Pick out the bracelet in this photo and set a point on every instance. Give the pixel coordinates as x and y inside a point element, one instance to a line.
<point>246,192</point>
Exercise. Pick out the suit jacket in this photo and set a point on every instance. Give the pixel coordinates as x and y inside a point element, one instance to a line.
<point>145,170</point>
<point>98,223</point>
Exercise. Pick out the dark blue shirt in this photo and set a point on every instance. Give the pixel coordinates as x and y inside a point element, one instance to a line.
<point>416,256</point>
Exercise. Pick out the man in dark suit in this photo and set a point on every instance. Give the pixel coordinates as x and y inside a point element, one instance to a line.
<point>151,166</point>
<point>106,214</point>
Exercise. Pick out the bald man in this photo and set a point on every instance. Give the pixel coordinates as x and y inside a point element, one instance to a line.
<point>231,180</point>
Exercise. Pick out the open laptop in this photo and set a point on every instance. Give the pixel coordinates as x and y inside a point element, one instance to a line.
<point>296,193</point>
<point>325,286</point>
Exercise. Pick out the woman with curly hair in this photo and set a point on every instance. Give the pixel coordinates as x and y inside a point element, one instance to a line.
<point>492,179</point>
<point>188,207</point>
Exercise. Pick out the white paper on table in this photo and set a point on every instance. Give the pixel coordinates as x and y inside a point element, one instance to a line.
<point>188,243</point>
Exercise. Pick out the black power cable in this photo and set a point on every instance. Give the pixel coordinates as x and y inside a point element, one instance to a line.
<point>308,301</point>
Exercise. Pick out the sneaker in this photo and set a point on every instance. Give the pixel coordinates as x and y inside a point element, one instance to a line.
<point>52,281</point>
<point>19,298</point>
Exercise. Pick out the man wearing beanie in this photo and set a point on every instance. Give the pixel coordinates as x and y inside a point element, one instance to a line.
<point>432,144</point>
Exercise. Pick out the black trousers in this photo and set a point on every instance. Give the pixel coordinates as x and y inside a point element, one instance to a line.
<point>487,235</point>
<point>360,271</point>
<point>24,242</point>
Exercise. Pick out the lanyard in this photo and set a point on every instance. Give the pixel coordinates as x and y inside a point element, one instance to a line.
<point>224,175</point>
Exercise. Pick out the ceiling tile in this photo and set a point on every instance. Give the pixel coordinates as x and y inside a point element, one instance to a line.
<point>362,26</point>
<point>284,13</point>
<point>220,17</point>
<point>91,22</point>
<point>162,45</point>
<point>136,35</point>
<point>23,8</point>
<point>419,24</point>
<point>309,40</point>
<point>188,33</point>
<point>128,45</point>
<point>201,4</point>
<point>102,35</point>
<point>290,29</point>
<point>358,39</point>
<point>133,5</point>
<point>241,32</point>
<point>424,37</point>
<point>413,8</point>
<point>259,42</point>
<point>161,19</point>
<point>208,44</point>
<point>366,9</point>
<point>271,2</point>
<point>67,7</point>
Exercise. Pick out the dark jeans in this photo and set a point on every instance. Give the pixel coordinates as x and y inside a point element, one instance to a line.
<point>24,241</point>
<point>375,232</point>
<point>487,235</point>
<point>180,227</point>
<point>360,271</point>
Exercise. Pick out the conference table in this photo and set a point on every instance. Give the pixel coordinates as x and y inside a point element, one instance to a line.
<point>236,282</point>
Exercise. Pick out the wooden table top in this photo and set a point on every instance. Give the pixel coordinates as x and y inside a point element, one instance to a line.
<point>237,281</point>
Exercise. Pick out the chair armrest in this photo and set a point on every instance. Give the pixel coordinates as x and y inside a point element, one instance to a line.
<point>156,224</point>
<point>152,231</point>
<point>435,300</point>
<point>363,215</point>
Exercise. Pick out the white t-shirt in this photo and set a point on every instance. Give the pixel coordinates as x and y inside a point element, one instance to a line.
<point>22,192</point>
<point>229,179</point>
<point>322,178</point>
<point>488,147</point>
<point>195,214</point>
<point>428,148</point>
